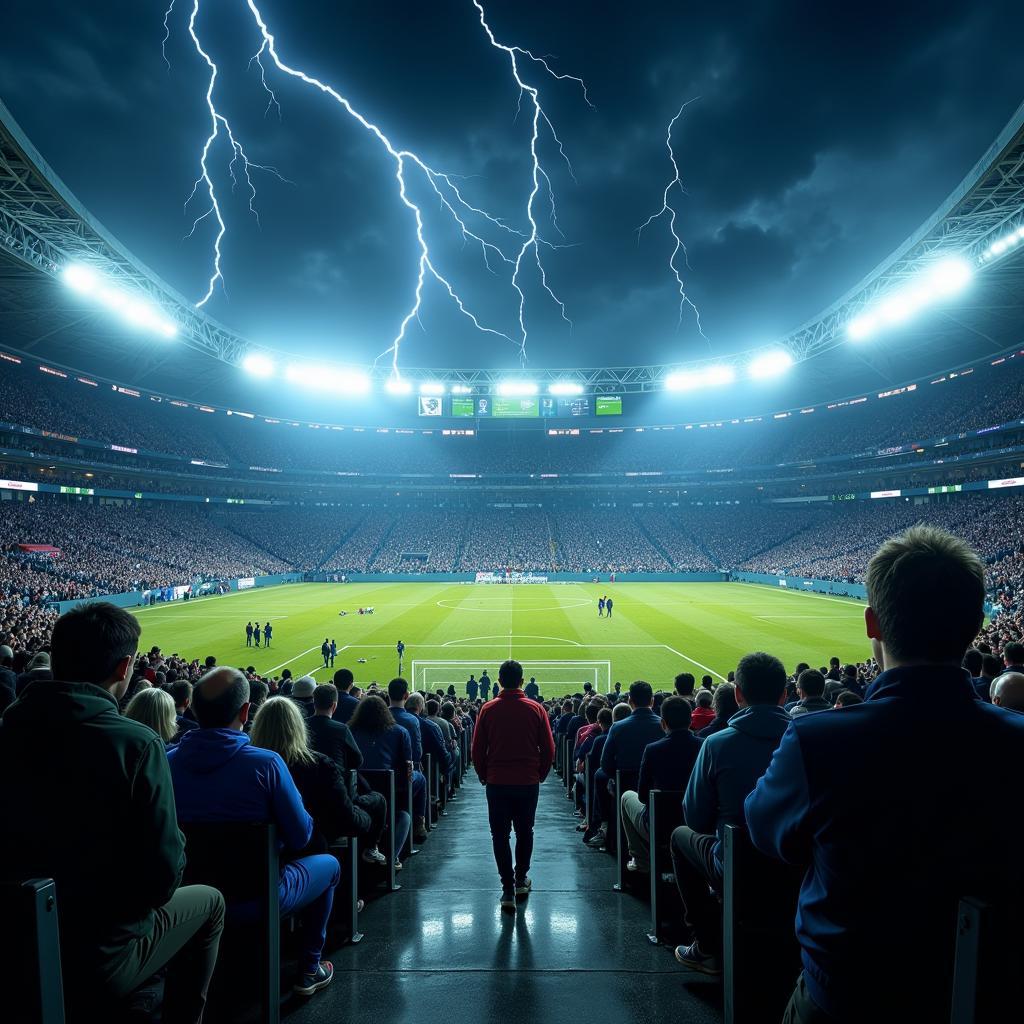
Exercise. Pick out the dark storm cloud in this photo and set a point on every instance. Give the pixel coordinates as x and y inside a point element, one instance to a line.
<point>824,134</point>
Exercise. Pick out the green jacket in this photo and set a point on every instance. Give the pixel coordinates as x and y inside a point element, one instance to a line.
<point>86,799</point>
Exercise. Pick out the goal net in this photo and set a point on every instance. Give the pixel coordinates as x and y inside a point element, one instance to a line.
<point>553,677</point>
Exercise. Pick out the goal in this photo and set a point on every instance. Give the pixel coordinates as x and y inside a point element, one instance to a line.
<point>555,677</point>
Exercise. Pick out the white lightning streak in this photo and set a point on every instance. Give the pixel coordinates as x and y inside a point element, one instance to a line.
<point>675,182</point>
<point>272,102</point>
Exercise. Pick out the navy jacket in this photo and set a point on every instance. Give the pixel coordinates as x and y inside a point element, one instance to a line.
<point>627,740</point>
<point>385,751</point>
<point>898,806</point>
<point>411,724</point>
<point>668,763</point>
<point>219,775</point>
<point>346,708</point>
<point>335,740</point>
<point>432,740</point>
<point>728,766</point>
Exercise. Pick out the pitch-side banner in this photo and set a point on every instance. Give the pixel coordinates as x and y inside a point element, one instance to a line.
<point>509,577</point>
<point>246,583</point>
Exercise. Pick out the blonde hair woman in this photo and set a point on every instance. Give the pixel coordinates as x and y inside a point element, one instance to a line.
<point>279,726</point>
<point>155,708</point>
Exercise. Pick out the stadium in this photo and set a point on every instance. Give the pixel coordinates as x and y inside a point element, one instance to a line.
<point>245,572</point>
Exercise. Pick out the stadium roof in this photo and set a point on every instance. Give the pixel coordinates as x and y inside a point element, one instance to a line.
<point>44,228</point>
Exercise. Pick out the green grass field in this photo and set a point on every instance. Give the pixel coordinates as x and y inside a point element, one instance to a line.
<point>658,629</point>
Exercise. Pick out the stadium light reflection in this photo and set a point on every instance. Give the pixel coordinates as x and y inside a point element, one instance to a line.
<point>771,364</point>
<point>565,387</point>
<point>944,279</point>
<point>690,380</point>
<point>461,389</point>
<point>517,388</point>
<point>135,309</point>
<point>432,387</point>
<point>397,386</point>
<point>258,365</point>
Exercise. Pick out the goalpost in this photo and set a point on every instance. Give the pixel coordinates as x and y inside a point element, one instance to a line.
<point>565,675</point>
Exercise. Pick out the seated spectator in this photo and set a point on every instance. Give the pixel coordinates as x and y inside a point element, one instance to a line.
<point>723,703</point>
<point>181,693</point>
<point>1013,656</point>
<point>347,700</point>
<point>1008,691</point>
<point>385,746</point>
<point>432,738</point>
<point>99,802</point>
<point>280,727</point>
<point>623,751</point>
<point>728,766</point>
<point>703,715</point>
<point>329,736</point>
<point>302,694</point>
<point>398,694</point>
<point>220,775</point>
<point>666,764</point>
<point>37,667</point>
<point>810,686</point>
<point>926,593</point>
<point>847,699</point>
<point>154,708</point>
<point>684,684</point>
<point>258,693</point>
<point>590,728</point>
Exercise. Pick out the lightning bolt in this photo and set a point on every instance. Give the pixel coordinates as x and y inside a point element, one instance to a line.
<point>501,243</point>
<point>675,183</point>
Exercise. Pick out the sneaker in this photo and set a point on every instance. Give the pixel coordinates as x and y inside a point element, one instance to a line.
<point>597,839</point>
<point>398,865</point>
<point>419,831</point>
<point>374,856</point>
<point>523,889</point>
<point>320,978</point>
<point>637,865</point>
<point>697,960</point>
<point>508,899</point>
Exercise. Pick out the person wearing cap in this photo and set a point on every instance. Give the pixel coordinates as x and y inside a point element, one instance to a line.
<point>302,694</point>
<point>37,667</point>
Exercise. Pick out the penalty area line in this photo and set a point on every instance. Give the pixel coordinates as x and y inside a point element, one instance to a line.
<point>693,661</point>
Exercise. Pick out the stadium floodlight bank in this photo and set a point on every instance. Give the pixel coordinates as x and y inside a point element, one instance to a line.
<point>429,675</point>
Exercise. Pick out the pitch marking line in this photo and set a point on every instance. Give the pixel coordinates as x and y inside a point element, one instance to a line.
<point>516,636</point>
<point>692,661</point>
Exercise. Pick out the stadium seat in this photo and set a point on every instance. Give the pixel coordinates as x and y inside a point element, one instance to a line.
<point>30,948</point>
<point>986,966</point>
<point>346,849</point>
<point>761,957</point>
<point>624,880</point>
<point>383,782</point>
<point>430,774</point>
<point>241,860</point>
<point>664,814</point>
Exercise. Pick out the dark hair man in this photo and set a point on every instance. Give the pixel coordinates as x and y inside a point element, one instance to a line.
<point>398,694</point>
<point>666,764</point>
<point>926,594</point>
<point>472,687</point>
<point>684,685</point>
<point>513,751</point>
<point>532,689</point>
<point>94,809</point>
<point>810,685</point>
<point>729,764</point>
<point>347,704</point>
<point>1013,656</point>
<point>485,686</point>
<point>181,693</point>
<point>623,751</point>
<point>220,776</point>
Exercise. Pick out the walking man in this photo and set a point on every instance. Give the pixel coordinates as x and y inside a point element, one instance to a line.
<point>325,652</point>
<point>608,607</point>
<point>266,634</point>
<point>600,608</point>
<point>334,652</point>
<point>485,686</point>
<point>256,633</point>
<point>513,751</point>
<point>248,634</point>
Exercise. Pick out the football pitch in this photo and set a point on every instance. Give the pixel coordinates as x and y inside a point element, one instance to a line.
<point>452,630</point>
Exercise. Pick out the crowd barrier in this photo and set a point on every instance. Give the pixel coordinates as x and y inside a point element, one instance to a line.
<point>804,583</point>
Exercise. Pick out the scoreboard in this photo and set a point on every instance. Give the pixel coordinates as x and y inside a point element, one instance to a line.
<point>533,407</point>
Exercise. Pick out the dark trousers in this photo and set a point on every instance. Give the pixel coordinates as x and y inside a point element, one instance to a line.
<point>248,640</point>
<point>695,869</point>
<point>598,811</point>
<point>308,884</point>
<point>512,807</point>
<point>802,1009</point>
<point>185,938</point>
<point>377,808</point>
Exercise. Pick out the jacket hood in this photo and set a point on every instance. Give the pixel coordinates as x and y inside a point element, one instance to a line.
<point>208,750</point>
<point>46,702</point>
<point>761,721</point>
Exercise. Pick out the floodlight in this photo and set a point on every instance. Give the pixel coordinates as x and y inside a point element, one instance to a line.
<point>770,364</point>
<point>862,326</point>
<point>517,388</point>
<point>690,380</point>
<point>461,389</point>
<point>258,365</point>
<point>82,279</point>
<point>327,377</point>
<point>432,387</point>
<point>397,386</point>
<point>949,276</point>
<point>565,387</point>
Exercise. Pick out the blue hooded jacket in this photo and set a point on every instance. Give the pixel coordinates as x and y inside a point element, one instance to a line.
<point>898,807</point>
<point>218,775</point>
<point>728,767</point>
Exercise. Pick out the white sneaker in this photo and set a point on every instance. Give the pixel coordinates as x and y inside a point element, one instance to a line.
<point>374,856</point>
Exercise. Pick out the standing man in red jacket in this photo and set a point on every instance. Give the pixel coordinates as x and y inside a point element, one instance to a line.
<point>513,751</point>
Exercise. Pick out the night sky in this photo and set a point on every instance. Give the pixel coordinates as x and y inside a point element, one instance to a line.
<point>824,134</point>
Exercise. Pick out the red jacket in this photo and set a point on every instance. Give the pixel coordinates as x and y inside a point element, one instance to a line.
<point>700,718</point>
<point>512,743</point>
